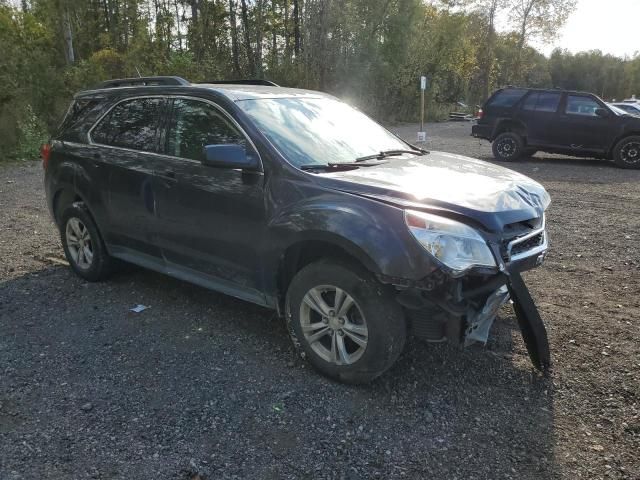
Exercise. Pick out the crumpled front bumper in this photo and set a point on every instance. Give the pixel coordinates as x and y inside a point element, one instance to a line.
<point>479,322</point>
<point>533,330</point>
<point>465,316</point>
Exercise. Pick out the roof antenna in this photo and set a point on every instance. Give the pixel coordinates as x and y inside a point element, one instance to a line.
<point>139,76</point>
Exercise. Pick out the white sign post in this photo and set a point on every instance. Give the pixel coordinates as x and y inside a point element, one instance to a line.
<point>422,135</point>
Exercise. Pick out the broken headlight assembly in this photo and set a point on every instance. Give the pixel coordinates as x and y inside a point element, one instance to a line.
<point>456,245</point>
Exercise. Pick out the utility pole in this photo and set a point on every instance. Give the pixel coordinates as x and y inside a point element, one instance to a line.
<point>422,135</point>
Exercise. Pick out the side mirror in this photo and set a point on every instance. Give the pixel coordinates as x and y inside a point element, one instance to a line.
<point>230,156</point>
<point>601,112</point>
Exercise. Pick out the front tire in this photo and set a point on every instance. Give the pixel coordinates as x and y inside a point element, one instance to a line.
<point>626,153</point>
<point>344,322</point>
<point>507,147</point>
<point>83,245</point>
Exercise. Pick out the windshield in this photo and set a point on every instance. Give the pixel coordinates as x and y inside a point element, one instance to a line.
<point>618,111</point>
<point>310,131</point>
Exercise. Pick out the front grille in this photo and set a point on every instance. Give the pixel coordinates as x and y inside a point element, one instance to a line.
<point>528,244</point>
<point>530,235</point>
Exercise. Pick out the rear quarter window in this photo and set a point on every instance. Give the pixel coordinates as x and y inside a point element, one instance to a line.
<point>507,98</point>
<point>78,111</point>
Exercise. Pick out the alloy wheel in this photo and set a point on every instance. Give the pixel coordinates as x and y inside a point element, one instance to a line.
<point>79,243</point>
<point>630,153</point>
<point>506,147</point>
<point>333,325</point>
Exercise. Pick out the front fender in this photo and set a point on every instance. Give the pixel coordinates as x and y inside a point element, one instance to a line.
<point>373,232</point>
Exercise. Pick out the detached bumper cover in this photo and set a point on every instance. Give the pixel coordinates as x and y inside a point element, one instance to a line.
<point>533,330</point>
<point>531,325</point>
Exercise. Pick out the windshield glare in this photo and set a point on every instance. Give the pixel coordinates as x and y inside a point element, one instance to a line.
<point>310,131</point>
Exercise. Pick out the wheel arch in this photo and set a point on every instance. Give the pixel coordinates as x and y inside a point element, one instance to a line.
<point>64,196</point>
<point>620,138</point>
<point>308,250</point>
<point>510,125</point>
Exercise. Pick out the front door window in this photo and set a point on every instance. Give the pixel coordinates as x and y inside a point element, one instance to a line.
<point>195,125</point>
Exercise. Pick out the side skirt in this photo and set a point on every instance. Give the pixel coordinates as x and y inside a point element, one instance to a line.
<point>191,276</point>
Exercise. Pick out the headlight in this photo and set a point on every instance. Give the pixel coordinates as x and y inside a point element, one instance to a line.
<point>455,244</point>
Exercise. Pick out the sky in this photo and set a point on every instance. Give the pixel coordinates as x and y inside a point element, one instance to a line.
<point>612,26</point>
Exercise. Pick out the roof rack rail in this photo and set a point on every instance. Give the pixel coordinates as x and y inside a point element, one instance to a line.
<point>250,81</point>
<point>141,81</point>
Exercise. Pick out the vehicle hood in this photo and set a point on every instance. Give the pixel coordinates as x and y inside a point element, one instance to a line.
<point>488,194</point>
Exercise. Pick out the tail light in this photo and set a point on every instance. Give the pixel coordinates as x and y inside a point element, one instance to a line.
<point>45,153</point>
<point>480,114</point>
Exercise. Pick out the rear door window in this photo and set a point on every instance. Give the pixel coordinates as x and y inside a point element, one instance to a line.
<point>542,102</point>
<point>131,124</point>
<point>195,124</point>
<point>507,97</point>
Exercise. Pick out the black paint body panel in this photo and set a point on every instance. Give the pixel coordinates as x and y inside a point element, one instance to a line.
<point>230,229</point>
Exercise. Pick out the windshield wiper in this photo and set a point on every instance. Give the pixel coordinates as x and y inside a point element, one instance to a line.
<point>390,153</point>
<point>340,165</point>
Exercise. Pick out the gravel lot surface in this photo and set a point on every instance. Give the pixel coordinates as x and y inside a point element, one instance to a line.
<point>205,386</point>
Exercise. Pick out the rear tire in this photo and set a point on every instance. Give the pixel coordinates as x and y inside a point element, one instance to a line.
<point>507,147</point>
<point>344,322</point>
<point>83,245</point>
<point>626,153</point>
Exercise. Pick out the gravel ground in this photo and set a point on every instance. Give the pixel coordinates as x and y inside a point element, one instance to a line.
<point>204,386</point>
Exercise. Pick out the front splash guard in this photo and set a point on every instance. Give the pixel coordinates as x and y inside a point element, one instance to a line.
<point>479,322</point>
<point>533,330</point>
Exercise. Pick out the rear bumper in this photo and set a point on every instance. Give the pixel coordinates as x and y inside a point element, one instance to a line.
<point>481,131</point>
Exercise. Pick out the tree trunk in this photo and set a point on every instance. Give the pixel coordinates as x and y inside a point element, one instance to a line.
<point>194,12</point>
<point>235,54</point>
<point>68,38</point>
<point>522,38</point>
<point>107,15</point>
<point>296,28</point>
<point>287,39</point>
<point>247,38</point>
<point>178,34</point>
<point>323,16</point>
<point>274,39</point>
<point>489,51</point>
<point>197,28</point>
<point>259,32</point>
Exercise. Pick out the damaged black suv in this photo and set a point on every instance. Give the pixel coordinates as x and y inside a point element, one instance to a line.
<point>293,200</point>
<point>520,122</point>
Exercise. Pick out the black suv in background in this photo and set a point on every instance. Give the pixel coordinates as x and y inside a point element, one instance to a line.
<point>520,122</point>
<point>298,202</point>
